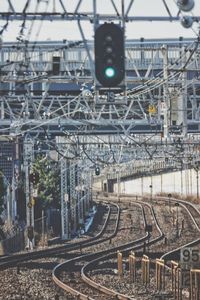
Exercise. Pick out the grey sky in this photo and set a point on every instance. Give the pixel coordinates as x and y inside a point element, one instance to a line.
<point>69,30</point>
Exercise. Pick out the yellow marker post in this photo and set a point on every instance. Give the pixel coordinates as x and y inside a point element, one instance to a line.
<point>119,263</point>
<point>160,274</point>
<point>195,284</point>
<point>132,267</point>
<point>145,270</point>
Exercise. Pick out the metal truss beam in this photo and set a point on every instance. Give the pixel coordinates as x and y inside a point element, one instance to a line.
<point>87,17</point>
<point>32,99</point>
<point>36,98</point>
<point>65,11</point>
<point>111,150</point>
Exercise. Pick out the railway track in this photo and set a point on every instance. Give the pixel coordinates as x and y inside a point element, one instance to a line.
<point>72,275</point>
<point>194,215</point>
<point>99,251</point>
<point>14,259</point>
<point>190,212</point>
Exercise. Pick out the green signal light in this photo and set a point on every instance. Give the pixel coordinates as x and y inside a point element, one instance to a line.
<point>110,72</point>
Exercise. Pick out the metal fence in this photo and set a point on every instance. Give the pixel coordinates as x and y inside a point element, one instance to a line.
<point>13,244</point>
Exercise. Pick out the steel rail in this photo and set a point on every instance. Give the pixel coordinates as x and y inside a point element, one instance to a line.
<point>165,257</point>
<point>175,254</point>
<point>58,269</point>
<point>11,260</point>
<point>111,253</point>
<point>88,267</point>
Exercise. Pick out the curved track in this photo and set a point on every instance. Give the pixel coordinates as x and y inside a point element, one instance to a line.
<point>73,275</point>
<point>194,215</point>
<point>13,259</point>
<point>84,287</point>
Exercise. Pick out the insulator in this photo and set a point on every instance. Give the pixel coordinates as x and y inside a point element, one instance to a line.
<point>87,93</point>
<point>185,5</point>
<point>186,21</point>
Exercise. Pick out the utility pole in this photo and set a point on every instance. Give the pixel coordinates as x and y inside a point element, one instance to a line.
<point>28,159</point>
<point>196,167</point>
<point>169,197</point>
<point>8,202</point>
<point>177,227</point>
<point>118,184</point>
<point>182,100</point>
<point>166,124</point>
<point>151,191</point>
<point>197,184</point>
<point>65,201</point>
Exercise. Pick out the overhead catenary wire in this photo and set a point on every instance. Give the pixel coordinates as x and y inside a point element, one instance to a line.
<point>156,85</point>
<point>49,120</point>
<point>155,81</point>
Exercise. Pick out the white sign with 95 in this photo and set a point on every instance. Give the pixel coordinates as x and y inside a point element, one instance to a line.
<point>189,257</point>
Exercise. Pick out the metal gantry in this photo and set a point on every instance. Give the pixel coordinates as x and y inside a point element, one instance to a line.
<point>62,10</point>
<point>52,84</point>
<point>162,91</point>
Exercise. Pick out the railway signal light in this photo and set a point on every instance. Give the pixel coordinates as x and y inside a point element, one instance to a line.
<point>109,55</point>
<point>97,170</point>
<point>34,177</point>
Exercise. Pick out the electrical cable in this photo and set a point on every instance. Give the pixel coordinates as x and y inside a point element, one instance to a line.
<point>156,84</point>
